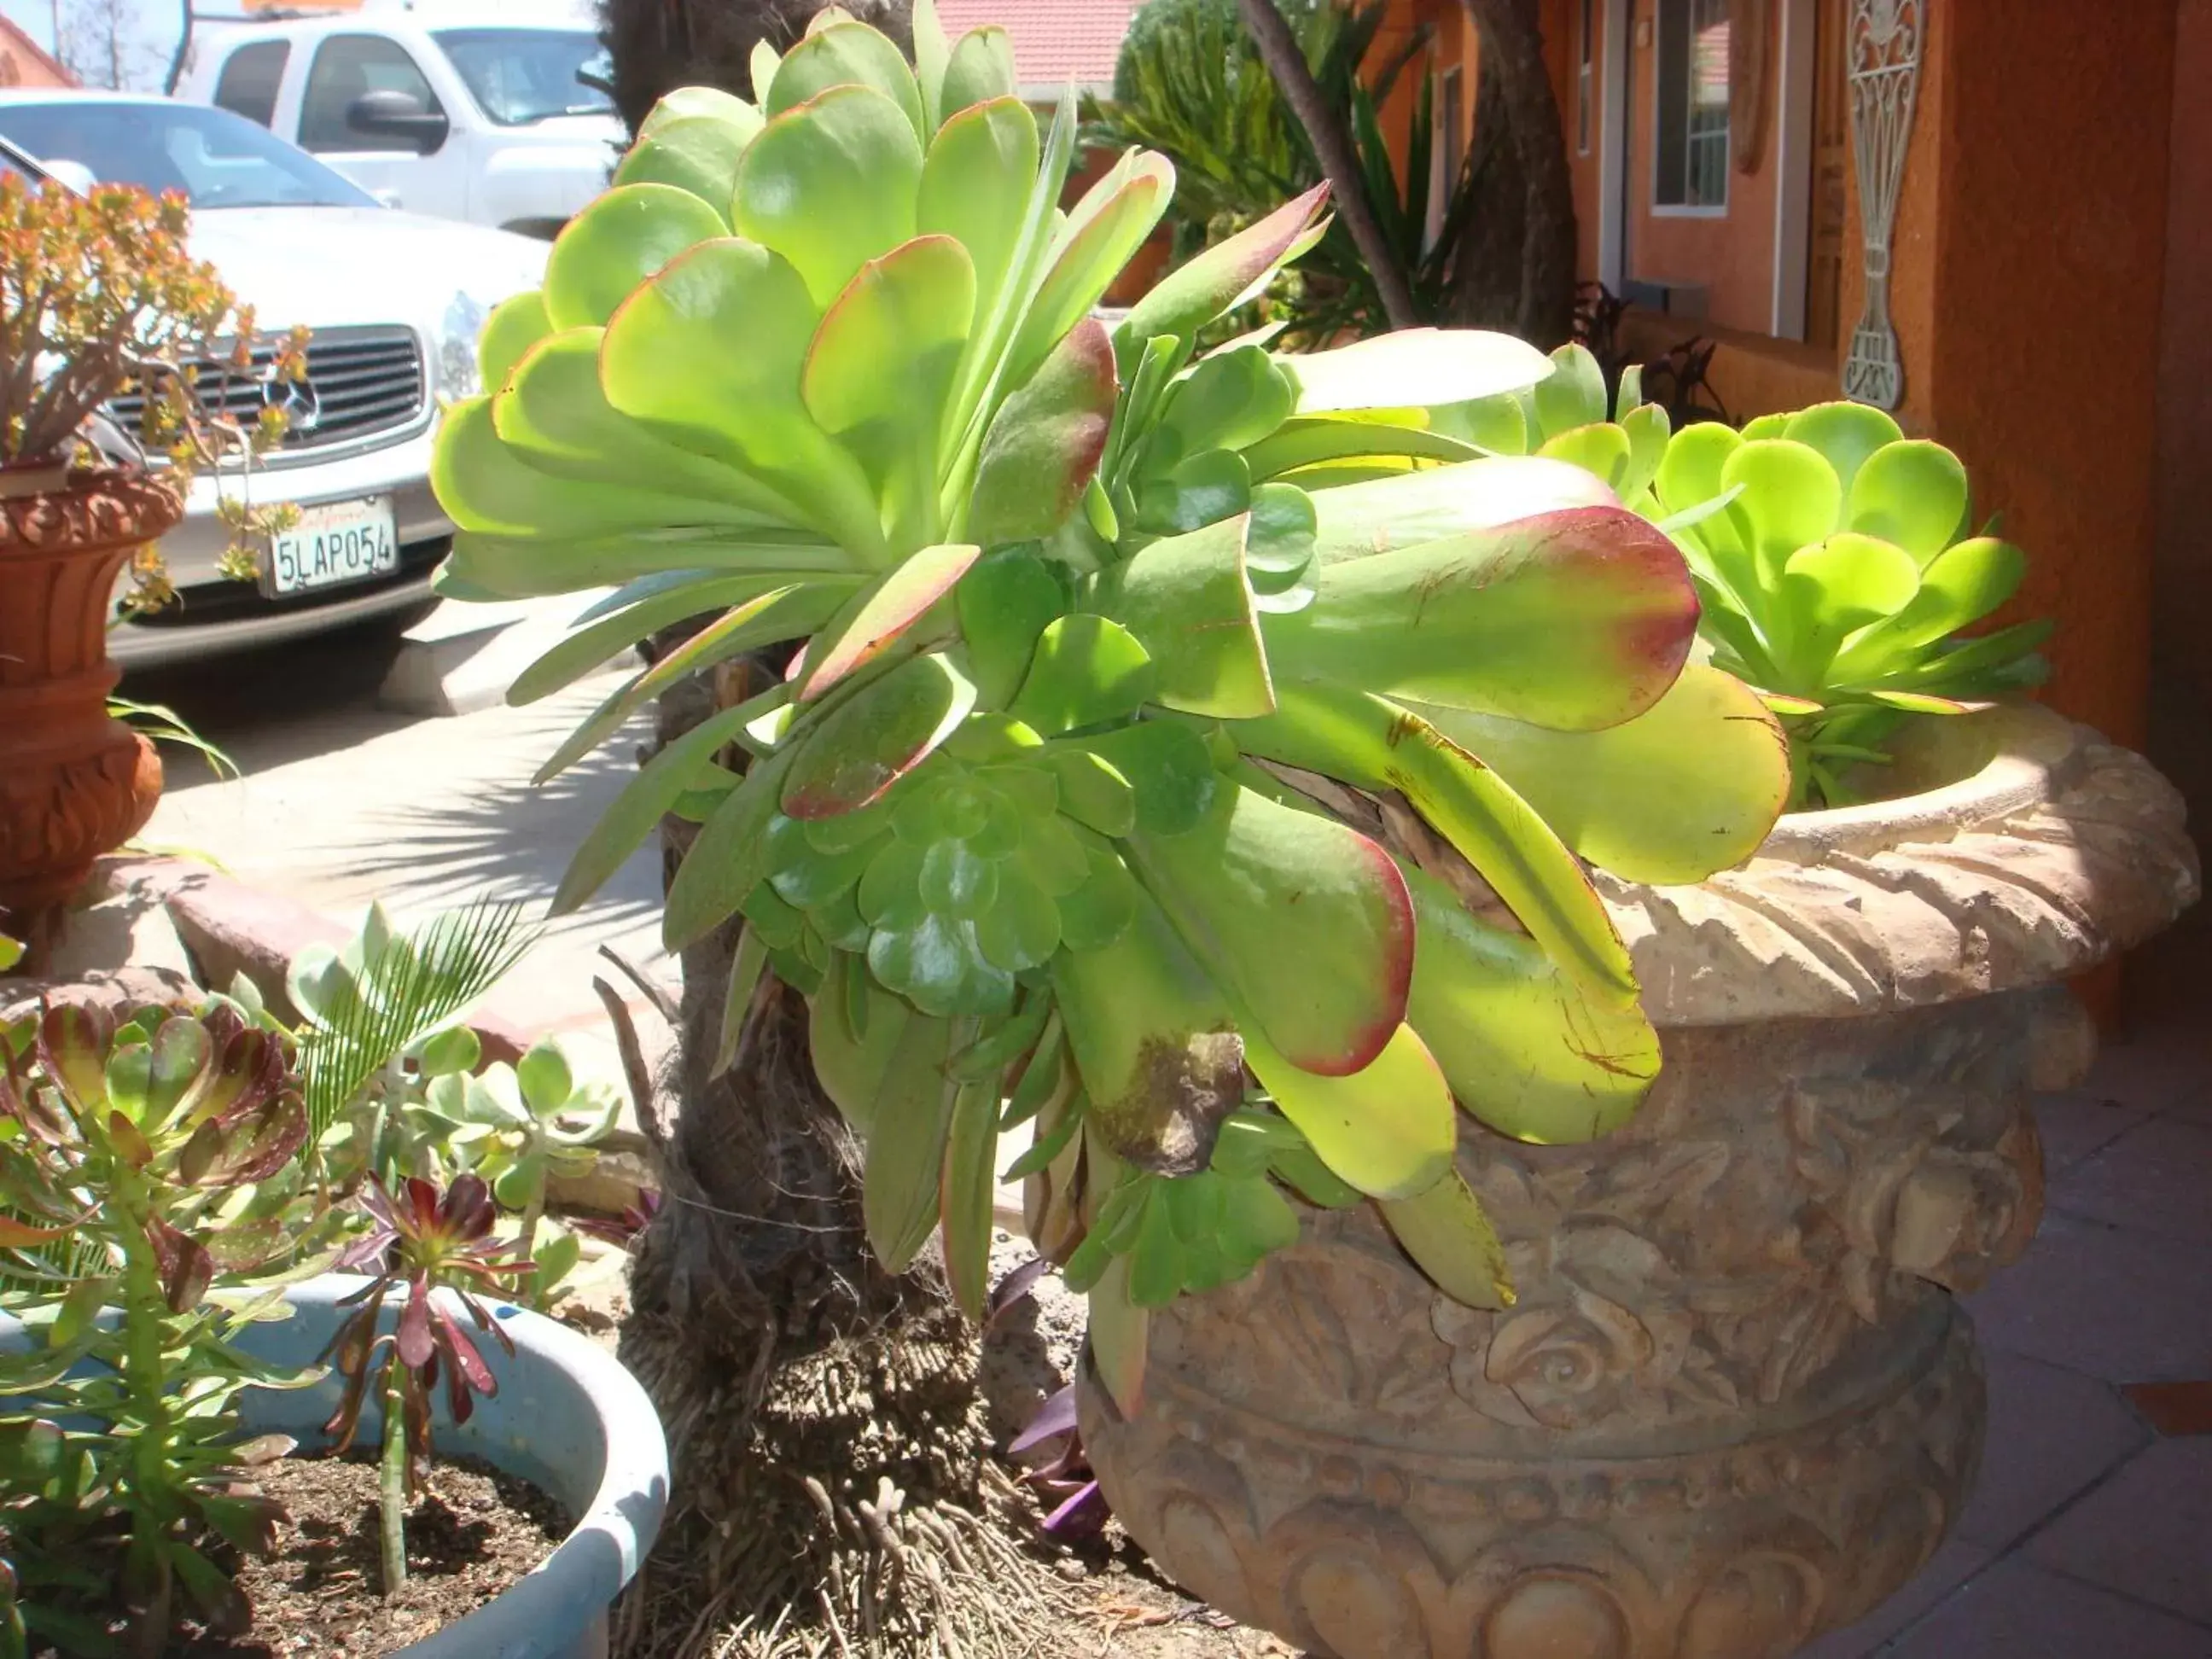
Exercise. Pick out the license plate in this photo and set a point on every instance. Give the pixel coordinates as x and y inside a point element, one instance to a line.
<point>334,543</point>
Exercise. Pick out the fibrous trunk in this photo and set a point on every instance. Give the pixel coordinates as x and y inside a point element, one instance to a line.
<point>1514,269</point>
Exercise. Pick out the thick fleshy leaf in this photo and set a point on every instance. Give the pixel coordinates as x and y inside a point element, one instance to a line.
<point>482,566</point>
<point>1092,256</point>
<point>1690,480</point>
<point>863,746</point>
<point>1087,670</point>
<point>727,858</point>
<point>980,68</point>
<point>932,52</point>
<point>905,1157</point>
<point>851,145</point>
<point>1578,619</point>
<point>1912,493</point>
<point>1195,293</point>
<point>1601,449</point>
<point>1118,1334</point>
<point>1413,368</point>
<point>1788,497</point>
<point>968,1184</point>
<point>854,1028</point>
<point>901,598</point>
<point>1264,894</point>
<point>554,415</point>
<point>1005,601</point>
<point>1573,394</point>
<point>1043,448</point>
<point>1689,787</point>
<point>516,323</point>
<point>1416,507</point>
<point>1388,1130</point>
<point>697,153</point>
<point>1155,1043</point>
<point>709,354</point>
<point>1205,488</point>
<point>782,613</point>
<point>636,813</point>
<point>1306,440</point>
<point>1451,1240</point>
<point>693,103</point>
<point>1846,434</point>
<point>1372,743</point>
<point>976,185</point>
<point>620,240</point>
<point>846,54</point>
<point>590,646</point>
<point>1523,1048</point>
<point>882,365</point>
<point>1964,583</point>
<point>484,485</point>
<point>1229,400</point>
<point>1168,768</point>
<point>1829,590</point>
<point>1187,600</point>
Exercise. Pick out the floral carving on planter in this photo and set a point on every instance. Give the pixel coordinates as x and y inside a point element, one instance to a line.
<point>1733,1404</point>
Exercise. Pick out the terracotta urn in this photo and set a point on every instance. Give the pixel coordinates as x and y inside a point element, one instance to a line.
<point>1735,1403</point>
<point>74,783</point>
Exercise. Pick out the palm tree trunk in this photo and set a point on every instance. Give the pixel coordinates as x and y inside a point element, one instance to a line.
<point>1517,84</point>
<point>1286,62</point>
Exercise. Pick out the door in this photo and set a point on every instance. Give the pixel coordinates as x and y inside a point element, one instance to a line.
<point>1825,225</point>
<point>400,173</point>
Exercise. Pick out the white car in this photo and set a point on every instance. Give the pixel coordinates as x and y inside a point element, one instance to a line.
<point>496,117</point>
<point>392,303</point>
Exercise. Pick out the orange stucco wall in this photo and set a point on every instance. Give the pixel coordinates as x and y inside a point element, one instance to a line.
<point>24,63</point>
<point>1732,254</point>
<point>2030,263</point>
<point>2182,566</point>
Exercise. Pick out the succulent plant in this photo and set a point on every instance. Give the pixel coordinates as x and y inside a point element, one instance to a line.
<point>142,1160</point>
<point>1837,574</point>
<point>1185,755</point>
<point>435,1246</point>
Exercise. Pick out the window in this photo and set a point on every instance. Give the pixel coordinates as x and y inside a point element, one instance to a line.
<point>346,66</point>
<point>217,158</point>
<point>1584,74</point>
<point>519,76</point>
<point>1692,112</point>
<point>250,79</point>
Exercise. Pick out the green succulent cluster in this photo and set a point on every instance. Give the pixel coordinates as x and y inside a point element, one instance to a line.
<point>1836,562</point>
<point>1102,647</point>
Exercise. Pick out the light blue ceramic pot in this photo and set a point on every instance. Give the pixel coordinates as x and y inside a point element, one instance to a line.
<point>567,1417</point>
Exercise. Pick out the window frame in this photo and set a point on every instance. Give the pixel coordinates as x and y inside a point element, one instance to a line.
<point>1685,16</point>
<point>372,146</point>
<point>1586,79</point>
<point>281,48</point>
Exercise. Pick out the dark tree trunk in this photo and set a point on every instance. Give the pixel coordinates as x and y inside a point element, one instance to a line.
<point>660,45</point>
<point>1286,62</point>
<point>1516,266</point>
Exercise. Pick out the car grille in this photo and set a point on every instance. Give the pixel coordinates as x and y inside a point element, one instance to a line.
<point>359,381</point>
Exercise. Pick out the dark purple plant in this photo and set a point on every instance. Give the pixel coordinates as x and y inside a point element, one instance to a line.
<point>428,1243</point>
<point>1075,1507</point>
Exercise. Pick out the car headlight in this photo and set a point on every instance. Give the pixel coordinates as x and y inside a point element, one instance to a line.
<point>453,357</point>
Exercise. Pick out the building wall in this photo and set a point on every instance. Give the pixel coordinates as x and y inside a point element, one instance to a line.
<point>2181,563</point>
<point>1732,255</point>
<point>23,62</point>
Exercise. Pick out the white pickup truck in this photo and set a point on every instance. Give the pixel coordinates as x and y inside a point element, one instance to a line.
<point>463,112</point>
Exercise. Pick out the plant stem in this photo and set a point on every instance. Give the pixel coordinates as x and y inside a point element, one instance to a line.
<point>392,1480</point>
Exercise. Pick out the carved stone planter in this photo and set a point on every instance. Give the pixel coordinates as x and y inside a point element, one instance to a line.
<point>74,783</point>
<point>1735,1404</point>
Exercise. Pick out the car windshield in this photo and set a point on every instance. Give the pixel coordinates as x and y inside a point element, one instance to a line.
<point>518,76</point>
<point>218,159</point>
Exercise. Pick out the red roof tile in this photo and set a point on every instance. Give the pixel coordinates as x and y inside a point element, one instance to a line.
<point>1054,40</point>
